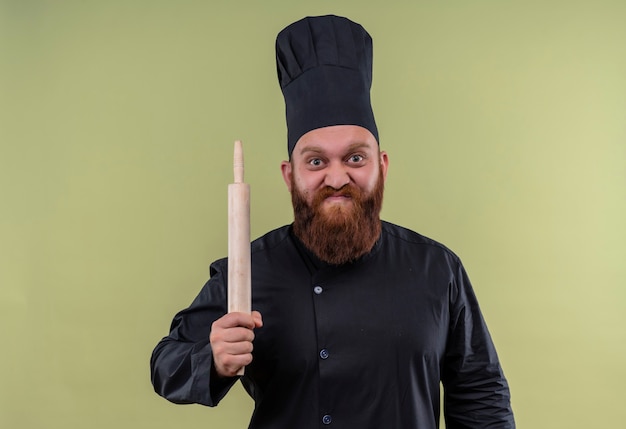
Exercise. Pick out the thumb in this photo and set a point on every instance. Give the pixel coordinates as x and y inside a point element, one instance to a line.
<point>258,319</point>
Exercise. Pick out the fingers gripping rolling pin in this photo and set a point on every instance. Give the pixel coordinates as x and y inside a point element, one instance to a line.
<point>239,276</point>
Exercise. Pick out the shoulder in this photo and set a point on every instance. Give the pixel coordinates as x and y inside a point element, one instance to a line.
<point>399,236</point>
<point>273,239</point>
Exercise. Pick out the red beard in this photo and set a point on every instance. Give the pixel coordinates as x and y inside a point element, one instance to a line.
<point>343,233</point>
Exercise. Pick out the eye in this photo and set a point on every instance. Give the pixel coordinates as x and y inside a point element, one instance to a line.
<point>315,162</point>
<point>356,158</point>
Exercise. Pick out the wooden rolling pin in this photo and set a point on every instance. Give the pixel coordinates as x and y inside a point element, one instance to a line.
<point>239,277</point>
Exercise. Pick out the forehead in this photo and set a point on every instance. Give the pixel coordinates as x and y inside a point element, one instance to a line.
<point>335,139</point>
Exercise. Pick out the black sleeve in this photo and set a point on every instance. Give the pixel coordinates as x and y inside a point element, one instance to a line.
<point>476,393</point>
<point>182,363</point>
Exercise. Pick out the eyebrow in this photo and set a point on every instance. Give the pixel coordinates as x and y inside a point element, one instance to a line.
<point>351,148</point>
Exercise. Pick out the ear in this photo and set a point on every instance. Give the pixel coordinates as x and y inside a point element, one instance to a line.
<point>285,169</point>
<point>384,163</point>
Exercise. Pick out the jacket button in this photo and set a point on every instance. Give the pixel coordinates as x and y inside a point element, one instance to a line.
<point>327,419</point>
<point>318,290</point>
<point>324,354</point>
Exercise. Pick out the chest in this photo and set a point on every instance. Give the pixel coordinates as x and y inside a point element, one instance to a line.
<point>361,317</point>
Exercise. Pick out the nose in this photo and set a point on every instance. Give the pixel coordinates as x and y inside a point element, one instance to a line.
<point>336,176</point>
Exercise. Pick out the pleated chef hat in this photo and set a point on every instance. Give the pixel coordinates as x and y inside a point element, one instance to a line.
<point>324,66</point>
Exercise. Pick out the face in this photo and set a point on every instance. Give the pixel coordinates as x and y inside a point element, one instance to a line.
<point>336,179</point>
<point>334,157</point>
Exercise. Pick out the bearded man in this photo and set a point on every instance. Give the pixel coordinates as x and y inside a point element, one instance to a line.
<point>356,321</point>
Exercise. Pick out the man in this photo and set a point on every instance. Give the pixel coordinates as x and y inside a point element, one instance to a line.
<point>356,321</point>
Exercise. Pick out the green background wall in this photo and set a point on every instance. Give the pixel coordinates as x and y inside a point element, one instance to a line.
<point>505,123</point>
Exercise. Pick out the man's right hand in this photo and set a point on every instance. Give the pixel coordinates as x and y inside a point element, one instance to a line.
<point>231,341</point>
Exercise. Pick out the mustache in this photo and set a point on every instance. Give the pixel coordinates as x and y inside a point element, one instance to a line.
<point>347,190</point>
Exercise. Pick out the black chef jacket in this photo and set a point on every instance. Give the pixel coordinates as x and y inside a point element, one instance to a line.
<point>363,345</point>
